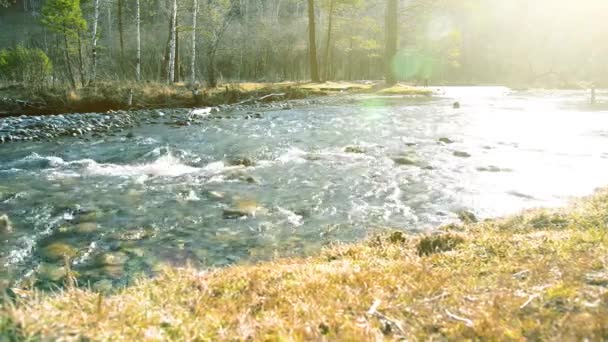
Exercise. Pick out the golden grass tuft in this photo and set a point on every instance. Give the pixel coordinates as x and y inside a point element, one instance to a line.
<point>403,89</point>
<point>508,279</point>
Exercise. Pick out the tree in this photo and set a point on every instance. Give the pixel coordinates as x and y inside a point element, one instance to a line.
<point>172,43</point>
<point>392,9</point>
<point>193,61</point>
<point>95,21</point>
<point>65,18</point>
<point>218,15</point>
<point>138,66</point>
<point>312,43</point>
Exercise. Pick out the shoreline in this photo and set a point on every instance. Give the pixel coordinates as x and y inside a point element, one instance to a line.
<point>541,274</point>
<point>114,96</point>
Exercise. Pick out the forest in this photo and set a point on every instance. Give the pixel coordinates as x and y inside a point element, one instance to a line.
<point>520,43</point>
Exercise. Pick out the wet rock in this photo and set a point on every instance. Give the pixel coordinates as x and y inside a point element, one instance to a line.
<point>404,161</point>
<point>58,251</point>
<point>461,154</point>
<point>467,217</point>
<point>354,149</point>
<point>5,224</point>
<point>241,161</point>
<point>445,140</point>
<point>243,208</point>
<point>456,105</point>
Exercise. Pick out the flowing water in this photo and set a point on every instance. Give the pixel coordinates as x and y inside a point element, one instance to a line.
<point>323,173</point>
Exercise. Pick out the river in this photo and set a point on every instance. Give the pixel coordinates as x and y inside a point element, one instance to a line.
<point>236,190</point>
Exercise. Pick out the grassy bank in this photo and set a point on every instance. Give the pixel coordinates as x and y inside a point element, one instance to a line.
<point>122,96</point>
<point>540,275</point>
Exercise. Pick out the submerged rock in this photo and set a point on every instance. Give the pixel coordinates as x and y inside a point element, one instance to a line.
<point>51,272</point>
<point>404,161</point>
<point>461,154</point>
<point>446,140</point>
<point>492,168</point>
<point>111,259</point>
<point>5,224</point>
<point>58,251</point>
<point>243,208</point>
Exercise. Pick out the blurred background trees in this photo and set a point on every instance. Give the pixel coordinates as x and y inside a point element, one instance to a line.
<point>515,42</point>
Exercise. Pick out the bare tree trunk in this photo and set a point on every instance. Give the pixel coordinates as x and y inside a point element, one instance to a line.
<point>391,40</point>
<point>328,44</point>
<point>193,61</point>
<point>138,66</point>
<point>171,66</point>
<point>81,61</point>
<point>110,36</point>
<point>212,82</point>
<point>68,61</point>
<point>121,32</point>
<point>177,68</point>
<point>312,42</point>
<point>95,20</point>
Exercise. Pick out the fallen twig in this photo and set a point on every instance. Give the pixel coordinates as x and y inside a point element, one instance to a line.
<point>466,321</point>
<point>530,299</point>
<point>373,311</point>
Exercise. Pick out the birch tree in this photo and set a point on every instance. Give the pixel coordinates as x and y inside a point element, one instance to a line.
<point>138,20</point>
<point>312,42</point>
<point>172,43</point>
<point>193,61</point>
<point>95,21</point>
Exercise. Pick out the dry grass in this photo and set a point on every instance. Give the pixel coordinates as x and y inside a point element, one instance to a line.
<point>106,96</point>
<point>403,89</point>
<point>541,275</point>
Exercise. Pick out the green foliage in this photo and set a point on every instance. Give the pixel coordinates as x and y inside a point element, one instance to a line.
<point>31,66</point>
<point>63,16</point>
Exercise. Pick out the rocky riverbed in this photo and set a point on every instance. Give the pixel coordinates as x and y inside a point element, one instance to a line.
<point>51,127</point>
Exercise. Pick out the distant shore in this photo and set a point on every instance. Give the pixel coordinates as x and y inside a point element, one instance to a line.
<point>20,100</point>
<point>539,275</point>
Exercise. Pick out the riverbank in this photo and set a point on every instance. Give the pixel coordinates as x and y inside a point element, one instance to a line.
<point>541,275</point>
<point>103,97</point>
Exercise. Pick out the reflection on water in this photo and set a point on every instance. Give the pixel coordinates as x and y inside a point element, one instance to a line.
<point>119,206</point>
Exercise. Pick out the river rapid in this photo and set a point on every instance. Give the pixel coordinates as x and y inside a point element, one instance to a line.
<point>289,181</point>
